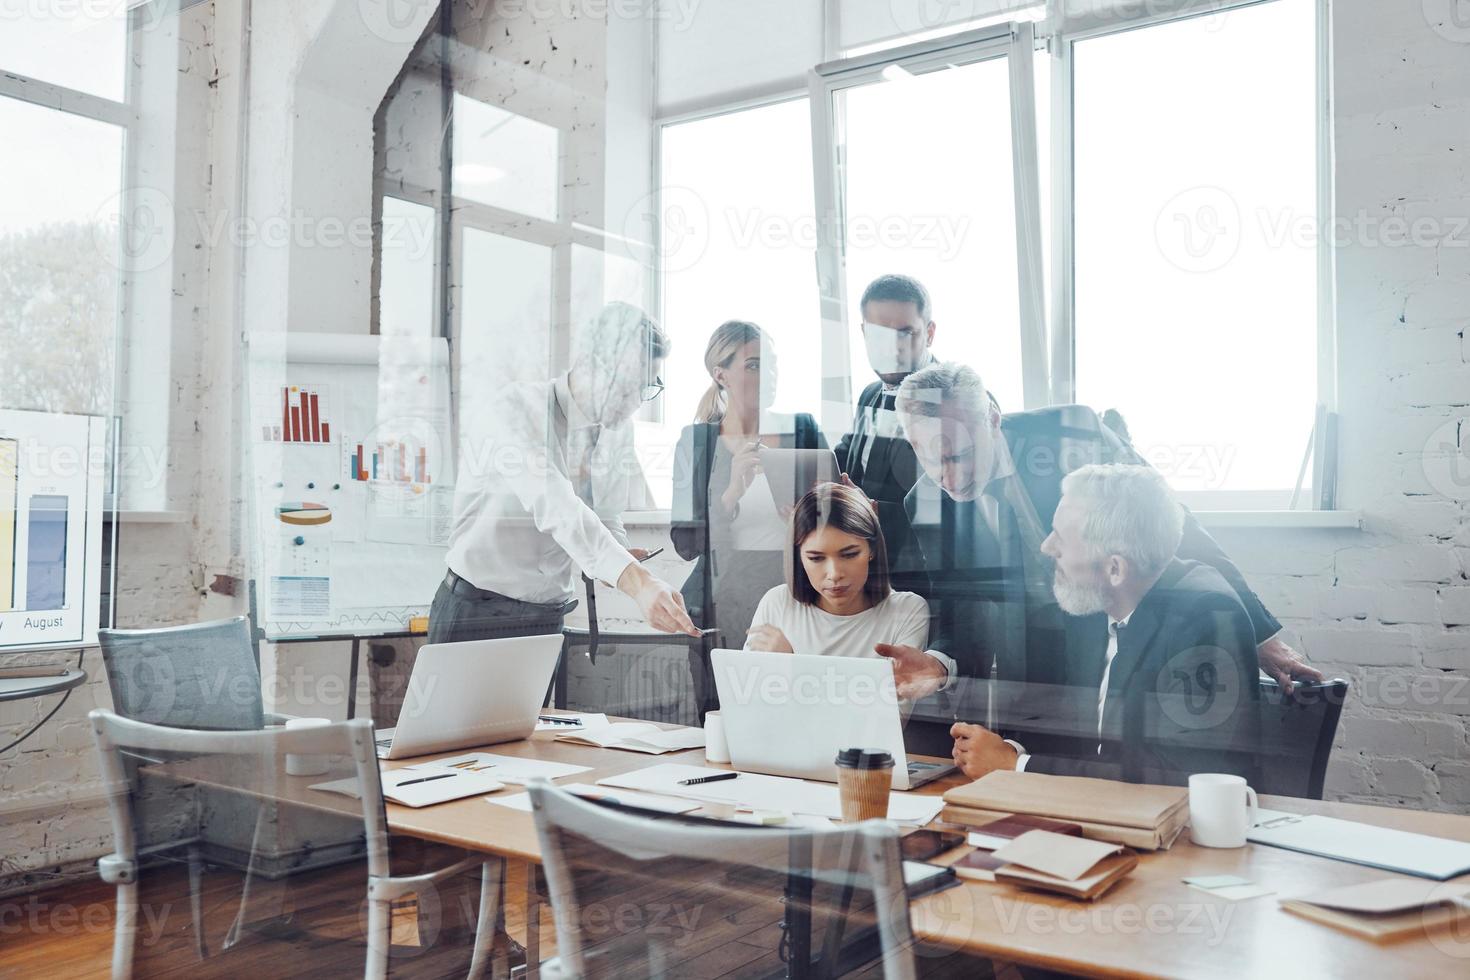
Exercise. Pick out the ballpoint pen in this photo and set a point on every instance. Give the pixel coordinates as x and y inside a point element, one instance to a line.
<point>424,779</point>
<point>556,720</point>
<point>708,779</point>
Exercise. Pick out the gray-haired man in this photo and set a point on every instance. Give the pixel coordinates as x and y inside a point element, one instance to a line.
<point>1171,687</point>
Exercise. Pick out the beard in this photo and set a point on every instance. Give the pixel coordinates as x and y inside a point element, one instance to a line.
<point>1078,598</point>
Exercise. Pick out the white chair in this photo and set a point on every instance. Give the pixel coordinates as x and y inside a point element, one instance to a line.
<point>251,764</point>
<point>628,891</point>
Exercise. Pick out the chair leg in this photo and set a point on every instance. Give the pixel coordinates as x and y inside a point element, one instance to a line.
<point>125,931</point>
<point>196,900</point>
<point>489,915</point>
<point>379,939</point>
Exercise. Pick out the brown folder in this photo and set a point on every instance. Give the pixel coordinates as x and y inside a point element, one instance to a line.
<point>1386,909</point>
<point>1141,840</point>
<point>1138,815</point>
<point>1076,798</point>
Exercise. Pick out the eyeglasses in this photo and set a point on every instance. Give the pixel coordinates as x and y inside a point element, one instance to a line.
<point>653,389</point>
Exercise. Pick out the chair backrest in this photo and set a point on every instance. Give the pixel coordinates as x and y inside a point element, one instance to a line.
<point>231,790</point>
<point>1296,735</point>
<point>202,676</point>
<point>634,895</point>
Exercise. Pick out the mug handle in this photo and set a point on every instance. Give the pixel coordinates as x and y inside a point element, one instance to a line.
<point>1252,807</point>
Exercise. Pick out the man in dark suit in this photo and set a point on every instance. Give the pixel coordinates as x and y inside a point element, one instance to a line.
<point>978,516</point>
<point>1162,683</point>
<point>875,457</point>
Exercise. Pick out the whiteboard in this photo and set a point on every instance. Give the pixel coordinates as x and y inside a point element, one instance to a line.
<point>350,478</point>
<point>52,469</point>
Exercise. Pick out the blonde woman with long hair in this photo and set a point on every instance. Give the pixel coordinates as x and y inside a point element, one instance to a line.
<point>724,515</point>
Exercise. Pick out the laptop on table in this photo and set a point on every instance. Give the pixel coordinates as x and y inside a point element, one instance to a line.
<point>788,714</point>
<point>478,692</point>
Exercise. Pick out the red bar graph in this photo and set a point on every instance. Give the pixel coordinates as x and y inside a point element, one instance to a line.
<point>302,417</point>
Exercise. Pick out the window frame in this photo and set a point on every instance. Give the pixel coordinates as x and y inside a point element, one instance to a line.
<point>1060,43</point>
<point>1013,41</point>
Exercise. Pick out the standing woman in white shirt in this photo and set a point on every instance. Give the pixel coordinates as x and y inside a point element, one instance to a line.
<point>837,599</point>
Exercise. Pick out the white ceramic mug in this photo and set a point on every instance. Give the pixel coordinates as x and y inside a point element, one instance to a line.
<point>716,749</point>
<point>1222,809</point>
<point>306,765</point>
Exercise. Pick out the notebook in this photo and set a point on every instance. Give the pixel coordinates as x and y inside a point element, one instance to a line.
<point>418,787</point>
<point>637,737</point>
<point>1360,843</point>
<point>1072,866</point>
<point>1387,908</point>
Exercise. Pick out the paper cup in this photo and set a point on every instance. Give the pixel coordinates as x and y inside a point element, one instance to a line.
<point>864,778</point>
<point>716,749</point>
<point>306,765</point>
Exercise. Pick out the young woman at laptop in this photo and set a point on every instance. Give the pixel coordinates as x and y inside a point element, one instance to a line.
<point>837,600</point>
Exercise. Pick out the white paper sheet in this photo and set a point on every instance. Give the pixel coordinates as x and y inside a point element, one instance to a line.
<point>506,768</point>
<point>761,792</point>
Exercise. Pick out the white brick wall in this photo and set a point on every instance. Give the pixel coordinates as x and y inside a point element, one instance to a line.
<point>1388,607</point>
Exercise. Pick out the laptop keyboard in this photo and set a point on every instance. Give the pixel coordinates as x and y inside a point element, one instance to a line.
<point>384,740</point>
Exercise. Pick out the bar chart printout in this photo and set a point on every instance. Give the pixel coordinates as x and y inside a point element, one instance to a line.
<point>303,417</point>
<point>390,462</point>
<point>9,473</point>
<point>46,552</point>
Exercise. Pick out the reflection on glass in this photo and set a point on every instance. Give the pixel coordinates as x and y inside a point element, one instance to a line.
<point>505,160</point>
<point>738,189</point>
<point>1196,231</point>
<point>59,220</point>
<point>928,193</point>
<point>406,292</point>
<point>505,323</point>
<point>82,46</point>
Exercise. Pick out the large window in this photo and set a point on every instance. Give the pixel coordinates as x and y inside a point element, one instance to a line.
<point>737,237</point>
<point>1162,260</point>
<point>1195,229</point>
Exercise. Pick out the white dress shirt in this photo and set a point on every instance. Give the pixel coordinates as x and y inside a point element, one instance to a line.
<point>902,619</point>
<point>520,527</point>
<point>1102,691</point>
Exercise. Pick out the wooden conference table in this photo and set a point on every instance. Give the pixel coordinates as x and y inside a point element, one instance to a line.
<point>1151,925</point>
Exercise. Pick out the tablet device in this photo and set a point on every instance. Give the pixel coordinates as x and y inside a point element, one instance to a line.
<point>790,473</point>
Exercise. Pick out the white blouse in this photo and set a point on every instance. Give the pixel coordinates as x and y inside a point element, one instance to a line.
<point>902,618</point>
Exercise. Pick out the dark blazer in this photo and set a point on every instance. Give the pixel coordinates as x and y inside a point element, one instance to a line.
<point>695,537</point>
<point>967,591</point>
<point>891,472</point>
<point>1182,692</point>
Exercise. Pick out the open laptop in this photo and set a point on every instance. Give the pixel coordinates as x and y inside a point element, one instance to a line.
<point>788,714</point>
<point>479,692</point>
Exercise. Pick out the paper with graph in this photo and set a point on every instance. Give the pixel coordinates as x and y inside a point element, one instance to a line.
<point>351,472</point>
<point>52,479</point>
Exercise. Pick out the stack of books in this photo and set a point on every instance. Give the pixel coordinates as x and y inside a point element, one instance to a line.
<point>1148,818</point>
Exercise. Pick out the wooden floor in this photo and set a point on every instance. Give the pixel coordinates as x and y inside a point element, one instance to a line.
<point>67,932</point>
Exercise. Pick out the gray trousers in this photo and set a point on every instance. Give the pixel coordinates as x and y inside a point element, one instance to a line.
<point>462,612</point>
